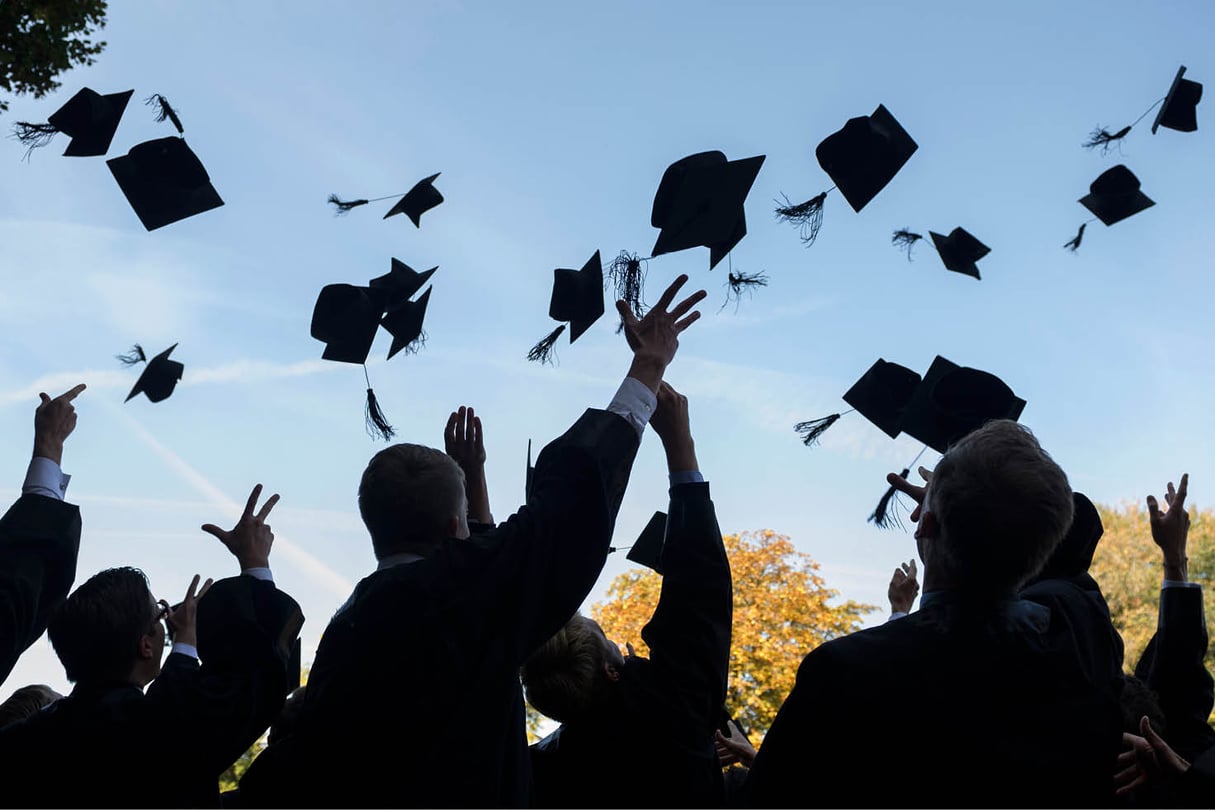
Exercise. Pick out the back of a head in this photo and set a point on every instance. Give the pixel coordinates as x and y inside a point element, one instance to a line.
<point>26,702</point>
<point>1002,504</point>
<point>561,678</point>
<point>97,629</point>
<point>407,495</point>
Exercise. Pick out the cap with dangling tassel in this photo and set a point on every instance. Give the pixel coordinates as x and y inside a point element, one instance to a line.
<point>1178,110</point>
<point>886,515</point>
<point>577,299</point>
<point>89,118</point>
<point>415,202</point>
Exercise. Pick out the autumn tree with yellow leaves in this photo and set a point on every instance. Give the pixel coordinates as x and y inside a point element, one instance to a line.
<point>782,611</point>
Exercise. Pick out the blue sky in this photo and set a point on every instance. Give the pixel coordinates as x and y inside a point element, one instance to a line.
<point>551,124</point>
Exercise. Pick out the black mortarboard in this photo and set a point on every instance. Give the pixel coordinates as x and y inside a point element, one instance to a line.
<point>577,299</point>
<point>959,251</point>
<point>402,281</point>
<point>417,201</point>
<point>88,118</point>
<point>647,548</point>
<point>164,181</point>
<point>345,319</point>
<point>699,203</point>
<point>159,377</point>
<point>404,322</point>
<point>882,394</point>
<point>1115,195</point>
<point>865,155</point>
<point>953,401</point>
<point>1180,108</point>
<point>531,474</point>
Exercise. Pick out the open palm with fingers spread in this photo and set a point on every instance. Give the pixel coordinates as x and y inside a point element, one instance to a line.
<point>250,539</point>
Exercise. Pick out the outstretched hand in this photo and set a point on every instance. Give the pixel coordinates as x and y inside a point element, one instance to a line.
<point>54,421</point>
<point>251,538</point>
<point>735,748</point>
<point>1170,528</point>
<point>181,617</point>
<point>463,439</point>
<point>654,338</point>
<point>1148,760</point>
<point>903,588</point>
<point>914,491</point>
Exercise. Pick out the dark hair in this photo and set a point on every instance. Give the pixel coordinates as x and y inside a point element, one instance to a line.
<point>96,631</point>
<point>1139,699</point>
<point>26,702</point>
<point>406,496</point>
<point>1003,505</point>
<point>561,679</point>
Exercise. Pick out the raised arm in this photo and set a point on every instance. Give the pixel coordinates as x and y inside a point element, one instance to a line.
<point>39,535</point>
<point>464,442</point>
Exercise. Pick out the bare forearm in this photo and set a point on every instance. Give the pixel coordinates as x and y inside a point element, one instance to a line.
<point>477,491</point>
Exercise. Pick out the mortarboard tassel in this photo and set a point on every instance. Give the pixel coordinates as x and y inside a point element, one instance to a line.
<point>1075,243</point>
<point>1102,137</point>
<point>133,357</point>
<point>739,282</point>
<point>416,345</point>
<point>626,275</point>
<point>543,351</point>
<point>165,111</point>
<point>376,423</point>
<point>343,206</point>
<point>810,431</point>
<point>886,516</point>
<point>33,136</point>
<point>905,239</point>
<point>809,215</point>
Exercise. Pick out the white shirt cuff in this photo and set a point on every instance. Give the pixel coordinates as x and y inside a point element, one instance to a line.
<point>635,402</point>
<point>687,477</point>
<point>185,649</point>
<point>1177,583</point>
<point>896,614</point>
<point>44,477</point>
<point>259,573</point>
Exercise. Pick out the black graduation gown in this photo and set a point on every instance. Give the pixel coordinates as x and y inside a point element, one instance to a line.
<point>650,742</point>
<point>973,703</point>
<point>113,745</point>
<point>39,543</point>
<point>414,698</point>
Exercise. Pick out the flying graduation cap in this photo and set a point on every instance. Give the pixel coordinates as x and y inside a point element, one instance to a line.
<point>160,374</point>
<point>647,548</point>
<point>415,202</point>
<point>861,159</point>
<point>347,317</point>
<point>699,203</point>
<point>880,395</point>
<point>1178,110</point>
<point>162,179</point>
<point>577,299</point>
<point>89,118</point>
<point>959,251</point>
<point>1112,197</point>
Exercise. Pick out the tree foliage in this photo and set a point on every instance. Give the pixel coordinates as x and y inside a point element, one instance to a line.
<point>782,611</point>
<point>39,39</point>
<point>1127,565</point>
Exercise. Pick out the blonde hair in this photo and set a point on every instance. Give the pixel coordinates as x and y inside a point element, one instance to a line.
<point>561,678</point>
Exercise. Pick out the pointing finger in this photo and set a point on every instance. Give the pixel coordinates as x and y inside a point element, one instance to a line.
<point>72,393</point>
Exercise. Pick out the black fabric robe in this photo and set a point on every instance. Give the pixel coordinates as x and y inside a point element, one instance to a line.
<point>113,745</point>
<point>657,721</point>
<point>414,698</point>
<point>964,703</point>
<point>39,543</point>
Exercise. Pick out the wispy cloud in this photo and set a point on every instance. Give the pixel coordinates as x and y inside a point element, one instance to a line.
<point>322,574</point>
<point>241,371</point>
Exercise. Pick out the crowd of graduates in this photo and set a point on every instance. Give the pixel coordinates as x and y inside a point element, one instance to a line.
<point>1006,687</point>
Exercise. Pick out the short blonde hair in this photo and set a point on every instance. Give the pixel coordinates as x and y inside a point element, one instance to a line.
<point>407,495</point>
<point>1003,505</point>
<point>561,678</point>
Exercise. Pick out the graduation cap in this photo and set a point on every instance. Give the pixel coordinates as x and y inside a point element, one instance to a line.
<point>1178,110</point>
<point>346,318</point>
<point>577,299</point>
<point>159,376</point>
<point>699,203</point>
<point>415,202</point>
<point>89,118</point>
<point>164,181</point>
<point>1112,197</point>
<point>880,395</point>
<point>953,401</point>
<point>647,548</point>
<point>861,158</point>
<point>958,251</point>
